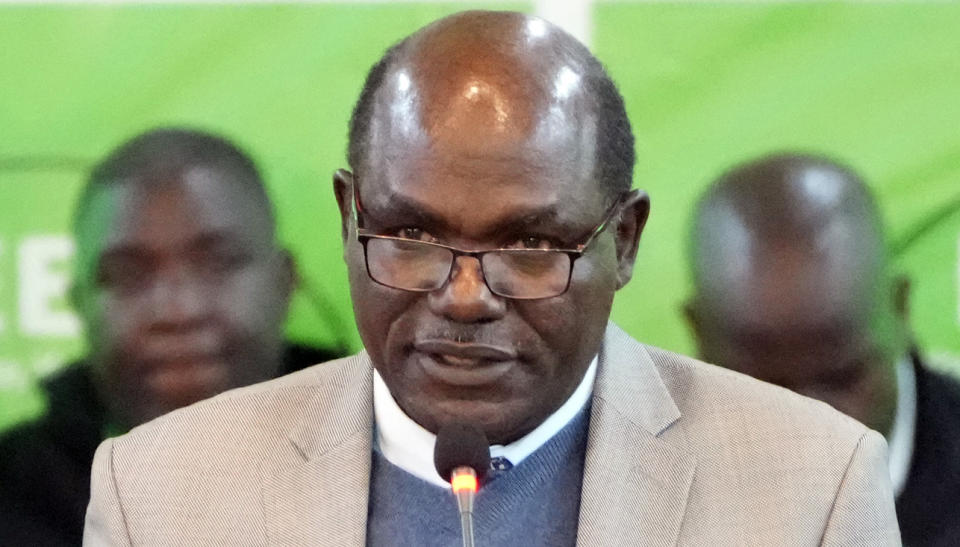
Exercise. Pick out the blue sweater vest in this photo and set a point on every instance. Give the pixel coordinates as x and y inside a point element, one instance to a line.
<point>535,503</point>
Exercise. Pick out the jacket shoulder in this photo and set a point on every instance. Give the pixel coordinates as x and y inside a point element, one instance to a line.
<point>220,453</point>
<point>708,393</point>
<point>259,413</point>
<point>789,461</point>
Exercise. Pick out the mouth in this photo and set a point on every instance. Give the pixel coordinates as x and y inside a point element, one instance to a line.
<point>186,374</point>
<point>464,364</point>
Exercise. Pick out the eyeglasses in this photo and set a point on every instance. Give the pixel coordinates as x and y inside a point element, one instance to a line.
<point>423,266</point>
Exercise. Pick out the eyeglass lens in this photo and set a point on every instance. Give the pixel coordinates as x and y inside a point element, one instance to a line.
<point>413,265</point>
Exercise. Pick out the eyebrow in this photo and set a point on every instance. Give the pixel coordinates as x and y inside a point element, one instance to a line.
<point>845,371</point>
<point>122,252</point>
<point>402,207</point>
<point>831,333</point>
<point>214,238</point>
<point>203,240</point>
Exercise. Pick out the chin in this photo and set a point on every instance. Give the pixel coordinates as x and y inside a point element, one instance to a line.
<point>497,420</point>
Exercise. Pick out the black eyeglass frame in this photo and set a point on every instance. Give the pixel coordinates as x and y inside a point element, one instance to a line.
<point>364,237</point>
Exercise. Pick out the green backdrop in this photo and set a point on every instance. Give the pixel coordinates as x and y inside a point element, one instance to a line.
<point>706,85</point>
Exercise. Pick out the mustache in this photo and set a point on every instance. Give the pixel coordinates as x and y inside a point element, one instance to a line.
<point>472,334</point>
<point>465,335</point>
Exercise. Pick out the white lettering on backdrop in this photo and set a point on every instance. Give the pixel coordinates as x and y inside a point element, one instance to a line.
<point>44,278</point>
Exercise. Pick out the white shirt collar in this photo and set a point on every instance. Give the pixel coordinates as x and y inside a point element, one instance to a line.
<point>900,439</point>
<point>409,446</point>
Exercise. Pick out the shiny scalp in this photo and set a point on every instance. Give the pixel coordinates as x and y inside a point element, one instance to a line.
<point>509,39</point>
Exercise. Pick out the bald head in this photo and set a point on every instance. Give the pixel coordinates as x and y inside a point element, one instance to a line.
<point>789,270</point>
<point>487,131</point>
<point>477,74</point>
<point>790,228</point>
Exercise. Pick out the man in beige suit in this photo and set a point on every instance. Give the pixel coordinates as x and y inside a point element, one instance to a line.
<point>487,223</point>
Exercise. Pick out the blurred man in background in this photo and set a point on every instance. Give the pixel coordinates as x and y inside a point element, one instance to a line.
<point>792,286</point>
<point>182,289</point>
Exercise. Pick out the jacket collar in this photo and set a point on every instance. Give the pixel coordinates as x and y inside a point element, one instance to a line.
<point>315,490</point>
<point>638,472</point>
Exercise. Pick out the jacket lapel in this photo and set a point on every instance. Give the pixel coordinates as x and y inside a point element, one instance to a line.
<point>315,491</point>
<point>637,474</point>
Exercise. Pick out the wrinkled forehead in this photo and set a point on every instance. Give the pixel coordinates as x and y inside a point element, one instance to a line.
<point>479,199</point>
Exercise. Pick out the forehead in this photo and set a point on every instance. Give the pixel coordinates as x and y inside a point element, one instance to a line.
<point>172,210</point>
<point>774,272</point>
<point>790,293</point>
<point>475,192</point>
<point>475,154</point>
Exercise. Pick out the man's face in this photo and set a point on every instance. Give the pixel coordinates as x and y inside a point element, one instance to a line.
<point>461,352</point>
<point>787,328</point>
<point>182,292</point>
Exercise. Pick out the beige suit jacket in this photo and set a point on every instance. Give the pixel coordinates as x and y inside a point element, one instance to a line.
<point>679,453</point>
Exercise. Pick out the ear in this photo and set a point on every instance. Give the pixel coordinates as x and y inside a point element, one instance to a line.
<point>289,276</point>
<point>689,311</point>
<point>75,297</point>
<point>79,299</point>
<point>343,189</point>
<point>633,217</point>
<point>692,317</point>
<point>901,297</point>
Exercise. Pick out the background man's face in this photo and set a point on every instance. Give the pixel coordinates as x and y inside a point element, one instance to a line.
<point>483,189</point>
<point>181,290</point>
<point>804,329</point>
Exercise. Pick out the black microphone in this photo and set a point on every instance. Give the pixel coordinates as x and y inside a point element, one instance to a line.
<point>462,457</point>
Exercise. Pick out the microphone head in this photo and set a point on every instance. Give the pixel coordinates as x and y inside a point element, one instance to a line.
<point>461,445</point>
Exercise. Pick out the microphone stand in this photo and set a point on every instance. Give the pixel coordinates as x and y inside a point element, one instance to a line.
<point>464,483</point>
<point>461,456</point>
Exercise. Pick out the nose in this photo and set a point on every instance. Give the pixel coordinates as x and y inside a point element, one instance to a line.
<point>178,301</point>
<point>466,298</point>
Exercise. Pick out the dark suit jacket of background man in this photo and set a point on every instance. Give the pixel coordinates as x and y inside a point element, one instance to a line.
<point>45,464</point>
<point>929,505</point>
